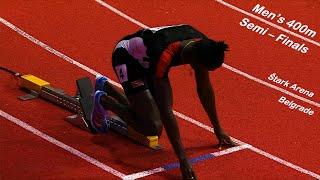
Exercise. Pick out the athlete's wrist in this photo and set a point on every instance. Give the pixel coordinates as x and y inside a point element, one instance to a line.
<point>183,159</point>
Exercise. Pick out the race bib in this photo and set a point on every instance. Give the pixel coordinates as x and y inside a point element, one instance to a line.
<point>122,73</point>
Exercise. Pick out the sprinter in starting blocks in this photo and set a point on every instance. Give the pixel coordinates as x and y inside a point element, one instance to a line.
<point>83,105</point>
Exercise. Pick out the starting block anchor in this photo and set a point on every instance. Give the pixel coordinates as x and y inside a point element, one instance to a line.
<point>31,95</point>
<point>78,121</point>
<point>81,105</point>
<point>116,124</point>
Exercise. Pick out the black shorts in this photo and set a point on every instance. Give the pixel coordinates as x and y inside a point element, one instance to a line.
<point>133,77</point>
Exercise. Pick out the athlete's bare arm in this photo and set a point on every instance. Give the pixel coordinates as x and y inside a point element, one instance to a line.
<point>163,96</point>
<point>207,98</point>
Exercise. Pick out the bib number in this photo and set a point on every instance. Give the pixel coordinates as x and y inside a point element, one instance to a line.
<point>122,73</point>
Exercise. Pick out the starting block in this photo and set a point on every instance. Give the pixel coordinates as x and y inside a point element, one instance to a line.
<point>82,105</point>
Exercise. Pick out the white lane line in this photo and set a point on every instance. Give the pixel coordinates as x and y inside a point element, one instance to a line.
<point>61,144</point>
<point>281,161</point>
<point>51,50</point>
<point>144,173</point>
<point>34,40</point>
<point>46,47</point>
<point>161,169</point>
<point>113,9</point>
<point>203,126</point>
<point>254,149</point>
<point>68,59</point>
<point>271,85</point>
<point>267,22</point>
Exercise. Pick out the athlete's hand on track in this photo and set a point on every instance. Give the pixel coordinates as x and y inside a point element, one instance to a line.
<point>224,140</point>
<point>186,170</point>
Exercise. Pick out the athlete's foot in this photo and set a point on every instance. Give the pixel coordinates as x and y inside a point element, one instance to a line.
<point>100,118</point>
<point>100,81</point>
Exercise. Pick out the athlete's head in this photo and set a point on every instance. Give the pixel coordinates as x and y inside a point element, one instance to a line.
<point>209,53</point>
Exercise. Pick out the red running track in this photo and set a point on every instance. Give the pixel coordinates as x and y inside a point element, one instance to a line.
<point>87,32</point>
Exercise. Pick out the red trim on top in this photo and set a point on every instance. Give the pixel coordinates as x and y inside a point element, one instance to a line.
<point>166,58</point>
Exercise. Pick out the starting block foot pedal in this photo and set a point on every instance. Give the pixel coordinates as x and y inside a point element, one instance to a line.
<point>86,101</point>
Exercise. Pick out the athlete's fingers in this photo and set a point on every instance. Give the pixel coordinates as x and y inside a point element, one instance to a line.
<point>226,143</point>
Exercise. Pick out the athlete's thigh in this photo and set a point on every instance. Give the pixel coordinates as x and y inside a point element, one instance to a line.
<point>133,79</point>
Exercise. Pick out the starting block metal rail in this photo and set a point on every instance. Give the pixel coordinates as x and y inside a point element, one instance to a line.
<point>82,106</point>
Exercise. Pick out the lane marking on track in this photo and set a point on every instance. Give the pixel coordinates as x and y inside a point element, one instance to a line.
<point>267,22</point>
<point>113,9</point>
<point>60,144</point>
<point>122,14</point>
<point>271,85</point>
<point>254,149</point>
<point>197,123</point>
<point>281,161</point>
<point>46,47</point>
<point>171,166</point>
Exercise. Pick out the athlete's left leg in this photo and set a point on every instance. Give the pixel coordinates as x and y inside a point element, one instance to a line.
<point>108,98</point>
<point>103,84</point>
<point>113,100</point>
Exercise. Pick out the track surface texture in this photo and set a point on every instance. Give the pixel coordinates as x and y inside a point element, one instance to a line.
<point>61,41</point>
